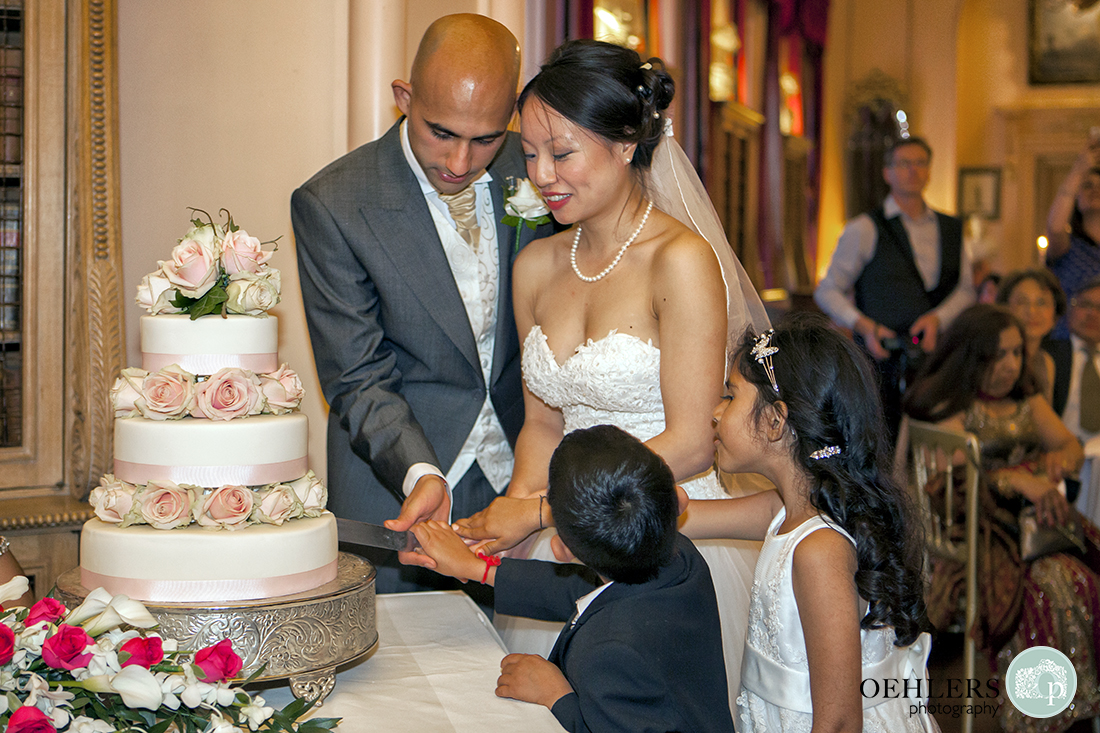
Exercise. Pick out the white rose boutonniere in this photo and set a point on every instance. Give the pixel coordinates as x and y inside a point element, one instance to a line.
<point>524,205</point>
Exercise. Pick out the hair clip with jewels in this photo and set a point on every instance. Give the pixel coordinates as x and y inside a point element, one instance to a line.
<point>762,351</point>
<point>827,452</point>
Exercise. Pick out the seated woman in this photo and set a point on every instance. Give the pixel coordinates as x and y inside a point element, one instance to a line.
<point>977,380</point>
<point>1035,297</point>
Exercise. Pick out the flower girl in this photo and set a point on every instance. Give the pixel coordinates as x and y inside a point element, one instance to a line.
<point>835,618</point>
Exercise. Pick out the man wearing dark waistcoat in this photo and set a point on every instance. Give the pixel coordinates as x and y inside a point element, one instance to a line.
<point>899,274</point>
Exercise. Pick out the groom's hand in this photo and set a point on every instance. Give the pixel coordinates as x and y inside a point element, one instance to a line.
<point>428,500</point>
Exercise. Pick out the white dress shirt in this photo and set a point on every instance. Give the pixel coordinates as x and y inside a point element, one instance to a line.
<point>855,248</point>
<point>1071,415</point>
<point>477,276</point>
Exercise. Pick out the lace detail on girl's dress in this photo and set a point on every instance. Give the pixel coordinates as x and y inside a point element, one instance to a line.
<point>615,380</point>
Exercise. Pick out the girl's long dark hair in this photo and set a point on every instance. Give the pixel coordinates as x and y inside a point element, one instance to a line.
<point>832,399</point>
<point>951,378</point>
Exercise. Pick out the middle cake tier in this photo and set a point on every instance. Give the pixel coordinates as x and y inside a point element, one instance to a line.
<point>253,451</point>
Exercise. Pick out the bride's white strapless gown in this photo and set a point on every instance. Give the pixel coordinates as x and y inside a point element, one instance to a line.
<point>616,381</point>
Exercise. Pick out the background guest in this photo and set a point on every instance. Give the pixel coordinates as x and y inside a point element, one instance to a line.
<point>988,287</point>
<point>977,380</point>
<point>1073,226</point>
<point>1082,410</point>
<point>1036,299</point>
<point>899,274</point>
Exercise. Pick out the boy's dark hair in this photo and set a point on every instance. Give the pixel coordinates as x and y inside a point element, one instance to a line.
<point>614,502</point>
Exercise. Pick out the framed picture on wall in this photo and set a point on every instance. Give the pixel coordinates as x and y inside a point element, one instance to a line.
<point>1064,42</point>
<point>980,193</point>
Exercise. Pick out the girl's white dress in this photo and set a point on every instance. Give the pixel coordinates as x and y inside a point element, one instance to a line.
<point>775,676</point>
<point>616,381</point>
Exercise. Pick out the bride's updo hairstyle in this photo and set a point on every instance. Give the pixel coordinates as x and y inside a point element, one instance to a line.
<point>608,90</point>
<point>831,395</point>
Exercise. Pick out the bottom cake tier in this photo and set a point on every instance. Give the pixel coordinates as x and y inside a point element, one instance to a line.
<point>200,565</point>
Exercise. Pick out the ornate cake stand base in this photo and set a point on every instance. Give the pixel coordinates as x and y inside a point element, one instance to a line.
<point>303,637</point>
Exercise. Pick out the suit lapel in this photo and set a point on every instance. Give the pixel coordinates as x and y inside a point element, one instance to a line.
<point>398,214</point>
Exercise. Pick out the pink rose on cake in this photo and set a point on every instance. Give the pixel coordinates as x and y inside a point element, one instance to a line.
<point>227,507</point>
<point>311,491</point>
<point>253,294</point>
<point>242,254</point>
<point>112,499</point>
<point>275,505</point>
<point>127,391</point>
<point>167,394</point>
<point>165,505</point>
<point>155,294</point>
<point>194,267</point>
<point>230,393</point>
<point>283,390</point>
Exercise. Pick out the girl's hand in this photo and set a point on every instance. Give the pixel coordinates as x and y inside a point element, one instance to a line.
<point>448,552</point>
<point>1052,508</point>
<point>1059,464</point>
<point>505,522</point>
<point>531,678</point>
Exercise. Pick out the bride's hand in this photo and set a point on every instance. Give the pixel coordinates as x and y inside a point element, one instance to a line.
<point>507,521</point>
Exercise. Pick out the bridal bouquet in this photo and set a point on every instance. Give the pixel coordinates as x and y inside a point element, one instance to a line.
<point>96,669</point>
<point>213,269</point>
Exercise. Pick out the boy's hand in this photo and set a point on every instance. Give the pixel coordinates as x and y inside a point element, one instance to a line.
<point>531,678</point>
<point>448,552</point>
<point>507,521</point>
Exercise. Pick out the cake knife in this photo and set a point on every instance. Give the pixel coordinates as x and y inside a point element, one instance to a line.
<point>373,535</point>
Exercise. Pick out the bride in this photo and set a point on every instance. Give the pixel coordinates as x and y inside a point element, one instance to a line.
<point>626,316</point>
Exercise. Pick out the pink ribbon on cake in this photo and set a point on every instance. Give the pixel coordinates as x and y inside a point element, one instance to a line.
<point>246,475</point>
<point>211,363</point>
<point>214,591</point>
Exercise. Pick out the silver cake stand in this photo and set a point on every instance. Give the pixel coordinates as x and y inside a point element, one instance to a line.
<point>302,637</point>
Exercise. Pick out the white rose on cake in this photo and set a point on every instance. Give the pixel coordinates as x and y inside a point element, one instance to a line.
<point>283,390</point>
<point>112,499</point>
<point>194,267</point>
<point>165,505</point>
<point>167,394</point>
<point>311,491</point>
<point>242,254</point>
<point>227,507</point>
<point>155,294</point>
<point>253,294</point>
<point>127,391</point>
<point>275,505</point>
<point>230,393</point>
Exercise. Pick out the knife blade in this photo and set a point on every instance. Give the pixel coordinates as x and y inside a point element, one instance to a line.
<point>373,535</point>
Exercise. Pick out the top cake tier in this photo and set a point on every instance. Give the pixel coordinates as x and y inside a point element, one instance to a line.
<point>205,345</point>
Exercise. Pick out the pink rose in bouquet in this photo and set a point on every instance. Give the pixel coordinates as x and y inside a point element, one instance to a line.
<point>155,294</point>
<point>242,254</point>
<point>126,392</point>
<point>112,499</point>
<point>29,719</point>
<point>193,269</point>
<point>226,507</point>
<point>165,505</point>
<point>48,609</point>
<point>311,492</point>
<point>283,390</point>
<point>7,644</point>
<point>276,504</point>
<point>253,295</point>
<point>65,649</point>
<point>167,394</point>
<point>230,393</point>
<point>144,651</point>
<point>218,662</point>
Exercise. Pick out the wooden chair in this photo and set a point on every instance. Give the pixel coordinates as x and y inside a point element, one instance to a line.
<point>932,451</point>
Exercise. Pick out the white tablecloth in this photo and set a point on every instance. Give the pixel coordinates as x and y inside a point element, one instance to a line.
<point>435,669</point>
<point>1088,501</point>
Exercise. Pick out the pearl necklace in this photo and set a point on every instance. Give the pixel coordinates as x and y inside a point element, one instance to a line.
<point>609,268</point>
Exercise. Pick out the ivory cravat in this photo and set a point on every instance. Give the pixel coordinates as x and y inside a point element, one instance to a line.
<point>463,207</point>
<point>1090,392</point>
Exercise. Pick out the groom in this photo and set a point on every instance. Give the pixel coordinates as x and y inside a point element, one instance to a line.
<point>406,277</point>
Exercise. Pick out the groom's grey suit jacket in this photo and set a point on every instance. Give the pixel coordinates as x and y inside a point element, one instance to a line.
<point>393,345</point>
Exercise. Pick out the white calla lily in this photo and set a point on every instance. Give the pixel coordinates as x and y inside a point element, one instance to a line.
<point>14,588</point>
<point>138,687</point>
<point>93,605</point>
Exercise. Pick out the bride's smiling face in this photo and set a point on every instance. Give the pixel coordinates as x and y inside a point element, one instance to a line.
<point>578,173</point>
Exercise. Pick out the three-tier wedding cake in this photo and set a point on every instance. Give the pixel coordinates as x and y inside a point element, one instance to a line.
<point>211,498</point>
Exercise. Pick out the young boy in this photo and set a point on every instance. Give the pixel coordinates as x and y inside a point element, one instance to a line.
<point>642,650</point>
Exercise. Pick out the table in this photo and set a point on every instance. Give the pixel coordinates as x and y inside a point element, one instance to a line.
<point>435,669</point>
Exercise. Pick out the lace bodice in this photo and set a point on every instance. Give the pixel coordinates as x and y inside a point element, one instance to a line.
<point>615,380</point>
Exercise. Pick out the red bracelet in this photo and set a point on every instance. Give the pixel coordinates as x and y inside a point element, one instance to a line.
<point>491,561</point>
